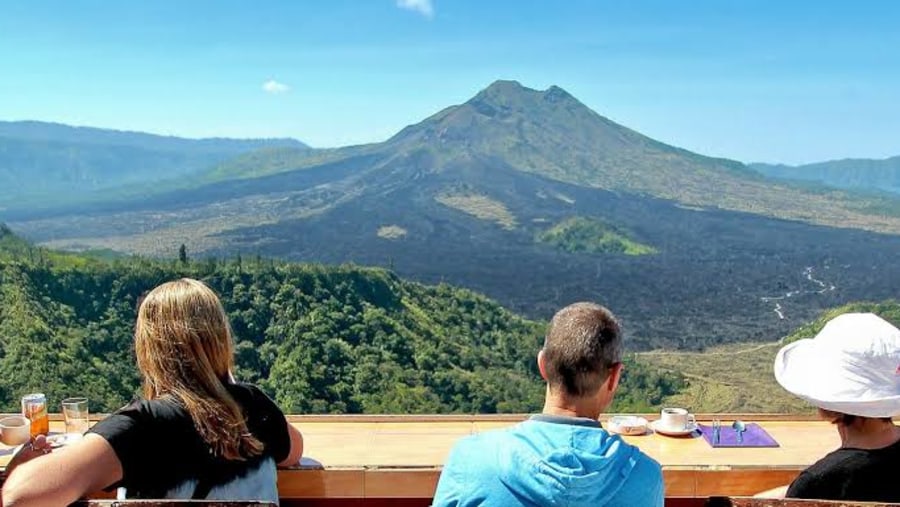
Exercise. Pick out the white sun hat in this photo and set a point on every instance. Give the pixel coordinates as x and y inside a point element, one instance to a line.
<point>852,366</point>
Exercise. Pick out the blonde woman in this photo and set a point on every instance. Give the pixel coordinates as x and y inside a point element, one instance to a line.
<point>196,435</point>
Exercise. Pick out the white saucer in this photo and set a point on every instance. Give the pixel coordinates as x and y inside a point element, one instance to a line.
<point>662,430</point>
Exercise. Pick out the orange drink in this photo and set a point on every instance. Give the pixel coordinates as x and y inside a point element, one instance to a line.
<point>34,407</point>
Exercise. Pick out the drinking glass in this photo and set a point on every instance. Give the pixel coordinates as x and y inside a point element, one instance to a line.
<point>75,412</point>
<point>34,407</point>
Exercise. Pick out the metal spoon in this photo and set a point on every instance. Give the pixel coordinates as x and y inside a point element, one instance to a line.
<point>739,428</point>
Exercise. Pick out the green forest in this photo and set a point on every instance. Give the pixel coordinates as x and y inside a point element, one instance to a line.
<point>318,339</point>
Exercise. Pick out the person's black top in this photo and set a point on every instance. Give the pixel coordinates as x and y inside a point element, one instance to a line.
<point>852,474</point>
<point>163,455</point>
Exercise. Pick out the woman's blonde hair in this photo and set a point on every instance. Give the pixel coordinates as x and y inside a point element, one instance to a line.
<point>184,351</point>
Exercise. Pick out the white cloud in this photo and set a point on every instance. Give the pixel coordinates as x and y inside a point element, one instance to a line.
<point>274,87</point>
<point>423,7</point>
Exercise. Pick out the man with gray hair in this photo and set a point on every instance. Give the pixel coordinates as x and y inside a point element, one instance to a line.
<point>561,456</point>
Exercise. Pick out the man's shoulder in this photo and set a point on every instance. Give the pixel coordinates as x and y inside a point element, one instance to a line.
<point>483,442</point>
<point>526,435</point>
<point>480,450</point>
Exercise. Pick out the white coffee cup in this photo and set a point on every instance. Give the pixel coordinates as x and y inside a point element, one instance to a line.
<point>15,430</point>
<point>676,419</point>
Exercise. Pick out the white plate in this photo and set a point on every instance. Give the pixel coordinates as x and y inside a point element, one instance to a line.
<point>655,426</point>
<point>64,439</point>
<point>636,425</point>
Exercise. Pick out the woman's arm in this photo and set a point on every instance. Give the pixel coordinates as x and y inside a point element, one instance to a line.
<point>296,447</point>
<point>779,492</point>
<point>63,476</point>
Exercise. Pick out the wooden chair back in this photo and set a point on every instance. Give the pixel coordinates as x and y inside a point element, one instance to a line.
<point>723,501</point>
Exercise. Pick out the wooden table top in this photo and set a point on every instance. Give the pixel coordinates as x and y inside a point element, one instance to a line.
<point>427,444</point>
<point>401,457</point>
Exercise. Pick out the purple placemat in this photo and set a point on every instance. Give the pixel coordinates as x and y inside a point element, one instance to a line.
<point>754,436</point>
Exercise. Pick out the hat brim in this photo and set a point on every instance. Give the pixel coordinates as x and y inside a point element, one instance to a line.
<point>799,368</point>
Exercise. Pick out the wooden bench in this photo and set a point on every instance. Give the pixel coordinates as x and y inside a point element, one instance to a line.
<point>670,502</point>
<point>723,501</point>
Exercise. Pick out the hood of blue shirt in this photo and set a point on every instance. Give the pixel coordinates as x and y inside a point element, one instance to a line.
<point>547,463</point>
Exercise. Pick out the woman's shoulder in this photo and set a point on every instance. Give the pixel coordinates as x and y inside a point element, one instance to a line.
<point>249,394</point>
<point>144,415</point>
<point>823,478</point>
<point>256,404</point>
<point>159,408</point>
<point>250,397</point>
<point>264,419</point>
<point>844,461</point>
<point>244,387</point>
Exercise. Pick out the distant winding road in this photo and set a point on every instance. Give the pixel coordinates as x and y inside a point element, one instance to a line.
<point>808,273</point>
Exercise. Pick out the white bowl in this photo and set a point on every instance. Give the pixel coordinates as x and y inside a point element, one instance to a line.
<point>15,430</point>
<point>627,425</point>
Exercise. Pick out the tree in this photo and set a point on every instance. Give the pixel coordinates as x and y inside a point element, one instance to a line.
<point>182,254</point>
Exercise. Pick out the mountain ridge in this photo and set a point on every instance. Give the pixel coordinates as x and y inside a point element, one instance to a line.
<point>849,173</point>
<point>483,101</point>
<point>49,130</point>
<point>44,162</point>
<point>550,133</point>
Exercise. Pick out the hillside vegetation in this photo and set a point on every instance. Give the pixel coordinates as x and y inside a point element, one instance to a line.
<point>739,378</point>
<point>318,339</point>
<point>582,234</point>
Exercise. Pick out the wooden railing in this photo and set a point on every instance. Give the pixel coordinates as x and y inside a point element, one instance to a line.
<point>396,460</point>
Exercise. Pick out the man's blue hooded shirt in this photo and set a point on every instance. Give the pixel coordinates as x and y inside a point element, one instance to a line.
<point>549,460</point>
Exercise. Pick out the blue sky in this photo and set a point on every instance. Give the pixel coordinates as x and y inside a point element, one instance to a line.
<point>781,81</point>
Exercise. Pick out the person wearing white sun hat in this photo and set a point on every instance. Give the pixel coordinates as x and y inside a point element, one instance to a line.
<point>851,372</point>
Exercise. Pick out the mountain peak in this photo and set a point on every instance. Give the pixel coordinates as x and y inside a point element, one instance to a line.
<point>511,91</point>
<point>505,86</point>
<point>508,110</point>
<point>505,97</point>
<point>503,94</point>
<point>557,94</point>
